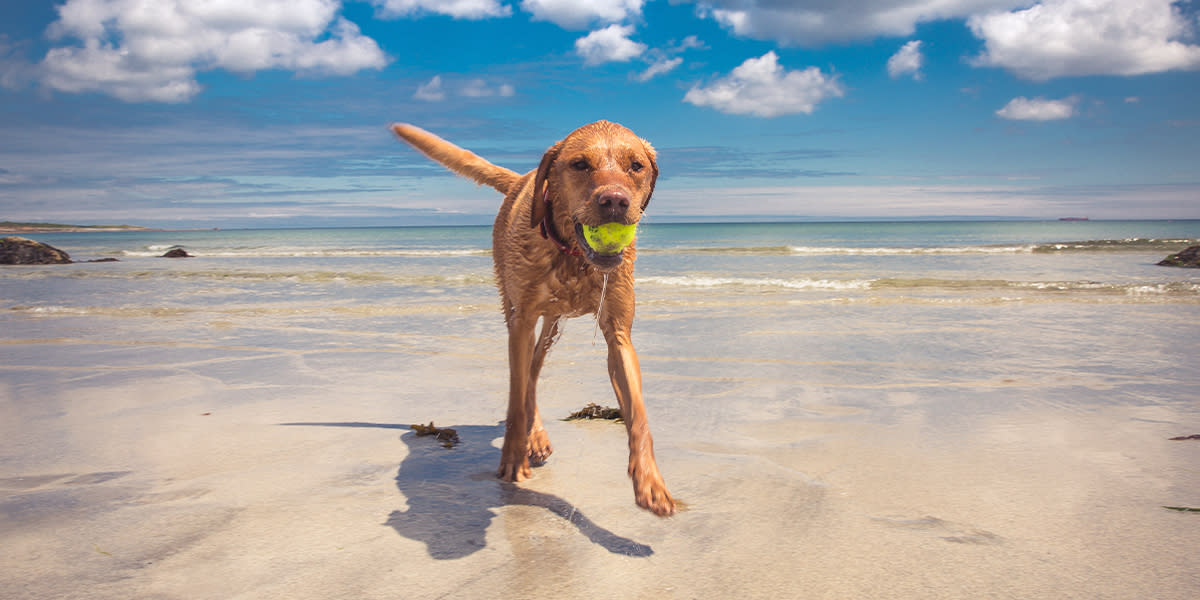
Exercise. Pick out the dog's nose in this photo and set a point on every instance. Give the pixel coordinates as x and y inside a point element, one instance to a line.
<point>613,203</point>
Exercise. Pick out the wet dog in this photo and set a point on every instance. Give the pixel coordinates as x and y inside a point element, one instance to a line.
<point>545,268</point>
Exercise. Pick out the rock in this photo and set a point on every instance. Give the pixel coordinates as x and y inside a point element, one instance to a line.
<point>1187,258</point>
<point>20,251</point>
<point>103,260</point>
<point>177,253</point>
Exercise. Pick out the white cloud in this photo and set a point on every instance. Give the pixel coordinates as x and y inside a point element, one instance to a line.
<point>664,60</point>
<point>478,88</point>
<point>907,61</point>
<point>690,42</point>
<point>431,91</point>
<point>1038,109</point>
<point>151,51</point>
<point>761,87</point>
<point>611,44</point>
<point>1061,38</point>
<point>573,14</point>
<point>659,67</point>
<point>822,21</point>
<point>459,9</point>
<point>434,90</point>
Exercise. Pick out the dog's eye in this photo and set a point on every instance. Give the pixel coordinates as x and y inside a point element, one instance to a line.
<point>636,166</point>
<point>580,164</point>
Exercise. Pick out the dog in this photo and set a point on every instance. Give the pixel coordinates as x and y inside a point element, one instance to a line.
<point>600,173</point>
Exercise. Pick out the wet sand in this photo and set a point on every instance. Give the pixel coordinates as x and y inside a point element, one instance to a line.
<point>822,451</point>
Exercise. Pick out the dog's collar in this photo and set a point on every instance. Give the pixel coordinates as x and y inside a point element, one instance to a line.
<point>548,231</point>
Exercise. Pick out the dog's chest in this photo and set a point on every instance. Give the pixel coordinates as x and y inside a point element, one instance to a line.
<point>572,294</point>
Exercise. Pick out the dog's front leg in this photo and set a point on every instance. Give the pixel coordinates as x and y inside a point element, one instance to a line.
<point>514,455</point>
<point>649,490</point>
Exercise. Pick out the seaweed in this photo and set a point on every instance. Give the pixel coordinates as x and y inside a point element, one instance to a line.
<point>595,411</point>
<point>1194,436</point>
<point>1182,508</point>
<point>447,436</point>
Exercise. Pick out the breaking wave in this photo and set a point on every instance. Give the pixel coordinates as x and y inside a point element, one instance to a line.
<point>1122,245</point>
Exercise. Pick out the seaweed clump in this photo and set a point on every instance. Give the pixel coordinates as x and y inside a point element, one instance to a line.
<point>595,411</point>
<point>448,437</point>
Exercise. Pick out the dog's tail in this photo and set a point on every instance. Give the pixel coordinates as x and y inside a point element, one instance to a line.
<point>459,160</point>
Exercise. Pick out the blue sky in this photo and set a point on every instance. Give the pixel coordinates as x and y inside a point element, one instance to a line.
<point>274,113</point>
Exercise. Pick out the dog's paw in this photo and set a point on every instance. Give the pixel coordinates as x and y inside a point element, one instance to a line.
<point>539,447</point>
<point>650,492</point>
<point>514,470</point>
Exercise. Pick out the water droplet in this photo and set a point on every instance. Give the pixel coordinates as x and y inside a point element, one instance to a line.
<point>600,307</point>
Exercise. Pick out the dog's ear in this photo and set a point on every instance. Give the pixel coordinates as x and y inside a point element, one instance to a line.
<point>538,200</point>
<point>653,172</point>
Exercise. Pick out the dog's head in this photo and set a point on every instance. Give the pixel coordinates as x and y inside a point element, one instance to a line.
<point>600,173</point>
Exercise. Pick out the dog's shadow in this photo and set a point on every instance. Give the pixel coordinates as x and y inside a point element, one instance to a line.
<point>452,493</point>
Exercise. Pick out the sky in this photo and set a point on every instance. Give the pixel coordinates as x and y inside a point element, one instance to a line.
<point>274,113</point>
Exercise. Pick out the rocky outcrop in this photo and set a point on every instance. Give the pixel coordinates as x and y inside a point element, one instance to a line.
<point>1188,258</point>
<point>176,253</point>
<point>21,251</point>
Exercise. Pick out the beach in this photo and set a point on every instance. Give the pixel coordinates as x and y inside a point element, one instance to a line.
<point>848,410</point>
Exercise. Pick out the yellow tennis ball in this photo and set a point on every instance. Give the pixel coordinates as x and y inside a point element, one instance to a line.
<point>609,238</point>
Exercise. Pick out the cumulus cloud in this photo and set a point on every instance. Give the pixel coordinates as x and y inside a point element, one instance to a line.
<point>1038,109</point>
<point>822,21</point>
<point>611,44</point>
<point>459,9</point>
<point>573,14</point>
<point>907,61</point>
<point>762,87</point>
<point>139,51</point>
<point>1059,38</point>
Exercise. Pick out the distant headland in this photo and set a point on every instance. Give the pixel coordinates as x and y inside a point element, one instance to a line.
<point>15,227</point>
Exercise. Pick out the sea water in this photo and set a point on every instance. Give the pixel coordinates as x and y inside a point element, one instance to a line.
<point>831,261</point>
<point>898,304</point>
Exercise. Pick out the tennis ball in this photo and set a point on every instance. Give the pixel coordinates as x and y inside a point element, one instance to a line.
<point>609,238</point>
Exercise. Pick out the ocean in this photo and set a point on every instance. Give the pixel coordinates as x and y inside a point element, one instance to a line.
<point>868,409</point>
<point>840,304</point>
<point>850,262</point>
